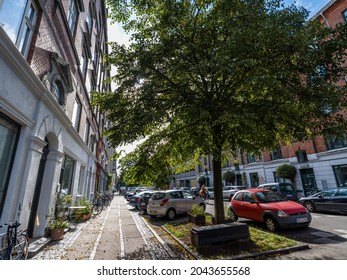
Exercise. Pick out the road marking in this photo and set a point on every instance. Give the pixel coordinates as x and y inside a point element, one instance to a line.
<point>161,241</point>
<point>121,236</point>
<point>92,254</point>
<point>143,234</point>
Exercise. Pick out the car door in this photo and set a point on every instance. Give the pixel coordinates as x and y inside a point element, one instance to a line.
<point>324,200</point>
<point>340,201</point>
<point>250,207</point>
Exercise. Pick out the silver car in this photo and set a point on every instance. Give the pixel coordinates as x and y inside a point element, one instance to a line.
<point>172,202</point>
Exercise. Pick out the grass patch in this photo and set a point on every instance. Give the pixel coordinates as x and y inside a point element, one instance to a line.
<point>260,241</point>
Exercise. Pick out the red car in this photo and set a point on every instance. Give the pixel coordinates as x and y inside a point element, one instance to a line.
<point>268,207</point>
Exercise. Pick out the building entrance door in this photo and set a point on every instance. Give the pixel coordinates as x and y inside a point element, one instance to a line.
<point>308,181</point>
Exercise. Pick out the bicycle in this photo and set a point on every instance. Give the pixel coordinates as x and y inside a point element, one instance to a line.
<point>17,242</point>
<point>98,205</point>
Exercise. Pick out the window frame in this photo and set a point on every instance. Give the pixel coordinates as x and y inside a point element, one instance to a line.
<point>344,15</point>
<point>26,28</point>
<point>76,114</point>
<point>16,129</point>
<point>72,16</point>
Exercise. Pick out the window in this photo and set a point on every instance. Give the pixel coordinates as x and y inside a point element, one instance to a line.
<point>76,114</point>
<point>58,92</point>
<point>340,172</point>
<point>254,179</point>
<point>66,175</point>
<point>21,24</point>
<point>344,14</point>
<point>250,158</point>
<point>72,17</point>
<point>276,153</point>
<point>334,142</point>
<point>9,132</point>
<point>301,156</point>
<point>86,132</point>
<point>89,19</point>
<point>248,197</point>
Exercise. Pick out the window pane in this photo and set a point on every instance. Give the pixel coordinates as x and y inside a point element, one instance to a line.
<point>72,16</point>
<point>76,114</point>
<point>8,135</point>
<point>11,23</point>
<point>66,175</point>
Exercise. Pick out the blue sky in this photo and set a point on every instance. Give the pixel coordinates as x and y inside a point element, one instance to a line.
<point>313,6</point>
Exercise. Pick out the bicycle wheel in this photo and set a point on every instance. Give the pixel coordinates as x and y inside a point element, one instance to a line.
<point>97,208</point>
<point>20,250</point>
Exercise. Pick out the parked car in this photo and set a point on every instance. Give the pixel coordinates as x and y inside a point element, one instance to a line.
<point>172,202</point>
<point>229,191</point>
<point>268,207</point>
<point>210,193</point>
<point>134,192</point>
<point>143,200</point>
<point>330,200</point>
<point>283,189</point>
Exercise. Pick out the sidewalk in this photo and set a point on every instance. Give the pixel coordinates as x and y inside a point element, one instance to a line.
<point>114,234</point>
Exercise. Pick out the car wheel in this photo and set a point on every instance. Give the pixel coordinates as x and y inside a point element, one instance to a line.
<point>310,206</point>
<point>171,214</point>
<point>271,224</point>
<point>232,215</point>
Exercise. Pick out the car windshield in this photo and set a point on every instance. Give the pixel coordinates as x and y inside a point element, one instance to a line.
<point>268,197</point>
<point>287,189</point>
<point>330,192</point>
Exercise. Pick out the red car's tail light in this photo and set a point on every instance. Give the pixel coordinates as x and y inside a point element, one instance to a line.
<point>164,202</point>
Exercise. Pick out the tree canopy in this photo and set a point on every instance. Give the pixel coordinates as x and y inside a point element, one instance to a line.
<point>212,76</point>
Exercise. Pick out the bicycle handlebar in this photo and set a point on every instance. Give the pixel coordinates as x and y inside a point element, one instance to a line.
<point>15,224</point>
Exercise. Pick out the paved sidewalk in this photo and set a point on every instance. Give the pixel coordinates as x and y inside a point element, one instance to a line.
<point>115,234</point>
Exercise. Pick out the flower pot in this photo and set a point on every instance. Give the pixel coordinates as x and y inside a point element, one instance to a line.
<point>57,233</point>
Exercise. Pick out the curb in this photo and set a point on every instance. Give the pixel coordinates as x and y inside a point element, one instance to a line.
<point>283,251</point>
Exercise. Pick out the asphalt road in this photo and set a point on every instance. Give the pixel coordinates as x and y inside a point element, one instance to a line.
<point>326,236</point>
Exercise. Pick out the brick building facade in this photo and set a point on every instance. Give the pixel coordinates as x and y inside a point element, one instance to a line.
<point>51,59</point>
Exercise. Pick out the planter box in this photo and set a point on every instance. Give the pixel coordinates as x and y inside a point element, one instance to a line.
<point>198,220</point>
<point>219,233</point>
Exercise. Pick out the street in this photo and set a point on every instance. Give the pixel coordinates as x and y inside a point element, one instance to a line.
<point>121,232</point>
<point>326,236</point>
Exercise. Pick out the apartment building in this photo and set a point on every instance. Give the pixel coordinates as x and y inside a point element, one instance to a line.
<point>51,59</point>
<point>320,163</point>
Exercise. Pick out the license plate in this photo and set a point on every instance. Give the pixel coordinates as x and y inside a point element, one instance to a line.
<point>153,212</point>
<point>302,220</point>
<point>142,203</point>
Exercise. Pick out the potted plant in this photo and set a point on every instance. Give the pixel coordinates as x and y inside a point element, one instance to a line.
<point>84,213</point>
<point>57,228</point>
<point>197,215</point>
<point>59,222</point>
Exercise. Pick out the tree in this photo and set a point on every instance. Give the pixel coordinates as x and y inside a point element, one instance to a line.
<point>229,177</point>
<point>211,76</point>
<point>286,171</point>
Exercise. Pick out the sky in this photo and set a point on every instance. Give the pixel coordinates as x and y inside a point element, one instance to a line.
<point>116,33</point>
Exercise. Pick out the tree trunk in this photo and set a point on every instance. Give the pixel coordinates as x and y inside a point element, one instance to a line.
<point>218,189</point>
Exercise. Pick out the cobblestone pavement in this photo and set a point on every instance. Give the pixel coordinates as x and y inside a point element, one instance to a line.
<point>117,233</point>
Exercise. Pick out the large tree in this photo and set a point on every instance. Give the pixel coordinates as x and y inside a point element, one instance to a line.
<point>206,76</point>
